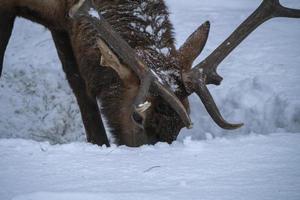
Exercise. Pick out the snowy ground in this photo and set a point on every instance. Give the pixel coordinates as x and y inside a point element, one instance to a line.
<point>260,88</point>
<point>249,167</point>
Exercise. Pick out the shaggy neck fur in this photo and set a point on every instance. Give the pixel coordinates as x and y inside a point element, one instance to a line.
<point>143,24</point>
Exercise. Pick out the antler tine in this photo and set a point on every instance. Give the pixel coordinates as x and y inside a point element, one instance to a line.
<point>129,58</point>
<point>205,72</point>
<point>212,108</point>
<point>195,82</point>
<point>281,11</point>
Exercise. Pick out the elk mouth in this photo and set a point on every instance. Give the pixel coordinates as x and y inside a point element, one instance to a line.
<point>136,140</point>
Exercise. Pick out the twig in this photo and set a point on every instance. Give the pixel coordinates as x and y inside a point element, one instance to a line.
<point>151,168</point>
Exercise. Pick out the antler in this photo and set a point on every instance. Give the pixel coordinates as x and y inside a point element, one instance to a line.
<point>129,58</point>
<point>196,79</point>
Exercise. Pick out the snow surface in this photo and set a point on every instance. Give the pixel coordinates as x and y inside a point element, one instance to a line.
<point>249,167</point>
<point>260,88</point>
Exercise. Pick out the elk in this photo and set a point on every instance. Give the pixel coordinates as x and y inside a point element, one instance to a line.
<point>121,53</point>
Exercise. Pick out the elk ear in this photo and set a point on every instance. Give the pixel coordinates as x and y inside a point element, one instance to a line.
<point>110,59</point>
<point>193,46</point>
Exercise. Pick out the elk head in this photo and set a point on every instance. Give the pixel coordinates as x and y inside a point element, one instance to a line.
<point>157,112</point>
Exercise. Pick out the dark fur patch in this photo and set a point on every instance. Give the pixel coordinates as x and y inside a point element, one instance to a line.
<point>143,24</point>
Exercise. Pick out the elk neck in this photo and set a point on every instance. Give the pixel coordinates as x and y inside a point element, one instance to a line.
<point>146,27</point>
<point>143,24</point>
<point>49,13</point>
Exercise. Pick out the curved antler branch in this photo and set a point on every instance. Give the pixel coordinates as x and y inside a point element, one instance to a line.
<point>198,83</point>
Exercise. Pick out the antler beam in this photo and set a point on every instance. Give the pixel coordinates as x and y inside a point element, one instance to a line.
<point>267,10</point>
<point>206,71</point>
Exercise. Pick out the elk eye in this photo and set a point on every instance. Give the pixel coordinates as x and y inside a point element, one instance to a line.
<point>137,118</point>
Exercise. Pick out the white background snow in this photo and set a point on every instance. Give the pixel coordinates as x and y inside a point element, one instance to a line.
<point>43,154</point>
